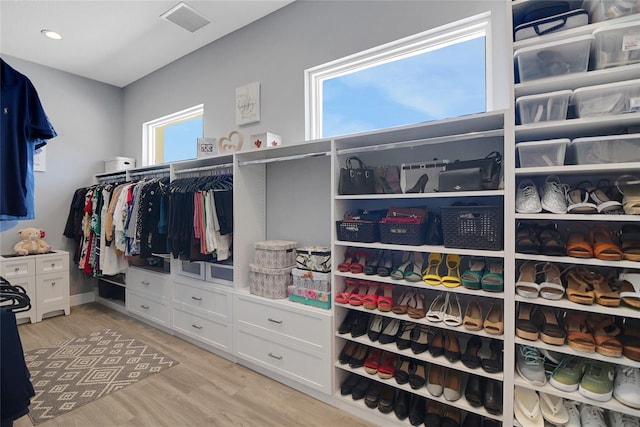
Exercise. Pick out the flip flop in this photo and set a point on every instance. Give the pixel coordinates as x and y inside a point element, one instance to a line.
<point>471,278</point>
<point>431,275</point>
<point>553,409</point>
<point>452,278</point>
<point>603,245</point>
<point>527,407</point>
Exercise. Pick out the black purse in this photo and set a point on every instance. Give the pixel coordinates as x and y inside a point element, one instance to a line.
<point>461,180</point>
<point>490,168</point>
<point>356,178</point>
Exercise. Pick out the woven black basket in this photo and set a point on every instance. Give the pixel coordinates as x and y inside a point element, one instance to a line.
<point>403,234</point>
<point>473,227</point>
<point>358,231</point>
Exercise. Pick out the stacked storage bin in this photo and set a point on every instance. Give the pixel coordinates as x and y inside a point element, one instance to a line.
<point>270,275</point>
<point>312,277</point>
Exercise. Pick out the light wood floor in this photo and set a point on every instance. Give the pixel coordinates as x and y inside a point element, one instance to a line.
<point>202,390</point>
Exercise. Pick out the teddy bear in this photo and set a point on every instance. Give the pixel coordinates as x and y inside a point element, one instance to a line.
<point>31,242</point>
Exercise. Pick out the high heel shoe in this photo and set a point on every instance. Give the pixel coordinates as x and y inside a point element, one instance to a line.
<point>431,275</point>
<point>420,184</point>
<point>371,266</point>
<point>417,311</point>
<point>407,260</point>
<point>414,274</point>
<point>385,264</point>
<point>348,258</point>
<point>358,262</point>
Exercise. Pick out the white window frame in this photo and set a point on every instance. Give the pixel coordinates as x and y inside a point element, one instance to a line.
<point>446,35</point>
<point>149,130</point>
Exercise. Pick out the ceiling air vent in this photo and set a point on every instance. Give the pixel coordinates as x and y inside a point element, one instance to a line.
<point>185,17</point>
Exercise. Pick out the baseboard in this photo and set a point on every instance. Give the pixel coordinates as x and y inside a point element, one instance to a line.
<point>84,298</point>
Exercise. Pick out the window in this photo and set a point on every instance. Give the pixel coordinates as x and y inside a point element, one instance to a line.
<point>437,74</point>
<point>173,137</point>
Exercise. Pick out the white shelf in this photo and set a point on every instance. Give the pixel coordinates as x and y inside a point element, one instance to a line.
<point>572,128</point>
<point>581,261</point>
<point>609,168</point>
<point>423,248</point>
<point>424,357</point>
<point>423,321</point>
<point>486,193</point>
<point>612,405</point>
<point>565,349</point>
<point>565,304</point>
<point>579,217</point>
<point>460,403</point>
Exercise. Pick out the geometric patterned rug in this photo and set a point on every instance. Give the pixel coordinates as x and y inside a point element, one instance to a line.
<point>78,371</point>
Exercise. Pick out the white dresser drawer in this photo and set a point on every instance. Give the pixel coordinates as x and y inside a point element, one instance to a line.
<point>203,297</point>
<point>213,332</point>
<point>52,263</point>
<point>17,267</point>
<point>52,293</point>
<point>29,285</point>
<point>146,281</point>
<point>146,307</point>
<point>304,325</point>
<point>308,368</point>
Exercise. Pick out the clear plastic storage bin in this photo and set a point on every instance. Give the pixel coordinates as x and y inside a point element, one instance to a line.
<point>616,45</point>
<point>543,107</point>
<point>602,10</point>
<point>555,58</point>
<point>604,149</point>
<point>542,153</point>
<point>607,99</point>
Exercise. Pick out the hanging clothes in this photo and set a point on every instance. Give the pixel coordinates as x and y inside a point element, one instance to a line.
<point>24,128</point>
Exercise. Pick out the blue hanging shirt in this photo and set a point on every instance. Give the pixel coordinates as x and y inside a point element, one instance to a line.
<point>24,128</point>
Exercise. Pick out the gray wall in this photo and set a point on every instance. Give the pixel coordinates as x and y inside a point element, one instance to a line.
<point>87,115</point>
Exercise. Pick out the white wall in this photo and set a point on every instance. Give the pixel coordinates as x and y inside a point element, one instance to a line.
<point>87,115</point>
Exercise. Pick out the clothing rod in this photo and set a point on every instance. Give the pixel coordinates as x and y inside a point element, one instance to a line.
<point>283,159</point>
<point>204,168</point>
<point>150,172</point>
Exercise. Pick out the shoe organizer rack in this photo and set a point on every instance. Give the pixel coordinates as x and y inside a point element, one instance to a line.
<point>439,367</point>
<point>565,308</point>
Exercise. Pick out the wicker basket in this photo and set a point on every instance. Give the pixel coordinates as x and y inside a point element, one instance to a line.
<point>358,231</point>
<point>473,227</point>
<point>403,234</point>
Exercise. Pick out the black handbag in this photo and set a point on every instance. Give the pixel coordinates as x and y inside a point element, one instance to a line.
<point>356,178</point>
<point>461,180</point>
<point>490,168</point>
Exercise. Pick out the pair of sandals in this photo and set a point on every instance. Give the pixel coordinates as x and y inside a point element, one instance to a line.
<point>445,308</point>
<point>540,279</point>
<point>539,240</point>
<point>410,268</point>
<point>594,333</point>
<point>474,321</point>
<point>411,303</point>
<point>431,274</point>
<point>587,199</point>
<point>366,294</point>
<point>532,409</point>
<point>484,274</point>
<point>585,286</point>
<point>596,242</point>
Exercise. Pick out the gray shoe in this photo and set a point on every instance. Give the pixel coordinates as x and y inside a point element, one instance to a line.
<point>592,416</point>
<point>527,198</point>
<point>554,195</point>
<point>530,365</point>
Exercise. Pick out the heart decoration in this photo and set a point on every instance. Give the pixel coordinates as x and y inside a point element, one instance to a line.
<point>257,143</point>
<point>230,143</point>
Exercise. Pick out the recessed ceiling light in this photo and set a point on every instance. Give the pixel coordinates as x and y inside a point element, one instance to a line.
<point>51,34</point>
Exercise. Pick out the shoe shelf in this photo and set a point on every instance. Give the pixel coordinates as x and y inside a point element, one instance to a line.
<point>609,168</point>
<point>422,285</point>
<point>443,195</point>
<point>424,357</point>
<point>424,321</point>
<point>582,261</point>
<point>461,403</point>
<point>424,249</point>
<point>573,128</point>
<point>564,304</point>
<point>380,417</point>
<point>565,349</point>
<point>612,404</point>
<point>579,217</point>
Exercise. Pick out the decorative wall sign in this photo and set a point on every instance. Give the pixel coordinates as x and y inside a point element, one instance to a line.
<point>230,143</point>
<point>248,104</point>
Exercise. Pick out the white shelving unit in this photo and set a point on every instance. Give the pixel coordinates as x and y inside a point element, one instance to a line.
<point>572,128</point>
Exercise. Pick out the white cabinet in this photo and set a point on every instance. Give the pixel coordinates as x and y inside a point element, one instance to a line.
<point>45,277</point>
<point>147,295</point>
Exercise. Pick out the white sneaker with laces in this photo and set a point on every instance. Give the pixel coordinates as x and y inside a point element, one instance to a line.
<point>626,386</point>
<point>530,365</point>
<point>574,413</point>
<point>618,419</point>
<point>527,198</point>
<point>554,195</point>
<point>592,416</point>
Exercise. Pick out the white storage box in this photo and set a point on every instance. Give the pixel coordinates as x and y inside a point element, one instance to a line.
<point>116,164</point>
<point>616,45</point>
<point>607,99</point>
<point>602,10</point>
<point>275,254</point>
<point>269,282</point>
<point>542,153</point>
<point>604,149</point>
<point>555,58</point>
<point>543,107</point>
<point>311,280</point>
<point>564,21</point>
<point>264,140</point>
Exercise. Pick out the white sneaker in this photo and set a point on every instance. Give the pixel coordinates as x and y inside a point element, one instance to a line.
<point>592,416</point>
<point>574,413</point>
<point>527,198</point>
<point>618,419</point>
<point>554,195</point>
<point>530,365</point>
<point>626,386</point>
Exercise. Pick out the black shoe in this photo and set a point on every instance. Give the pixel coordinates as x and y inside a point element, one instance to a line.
<point>452,347</point>
<point>349,384</point>
<point>419,377</point>
<point>401,404</point>
<point>360,324</point>
<point>359,356</point>
<point>472,420</point>
<point>470,358</point>
<point>416,412</point>
<point>474,391</point>
<point>371,266</point>
<point>385,403</point>
<point>493,396</point>
<point>451,417</point>
<point>493,364</point>
<point>372,397</point>
<point>360,390</point>
<point>404,370</point>
<point>420,339</point>
<point>433,413</point>
<point>390,330</point>
<point>347,323</point>
<point>404,337</point>
<point>347,352</point>
<point>436,343</point>
<point>386,264</point>
<point>375,327</point>
<point>490,422</point>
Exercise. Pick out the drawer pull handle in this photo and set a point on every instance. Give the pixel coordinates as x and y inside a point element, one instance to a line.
<point>197,326</point>
<point>144,283</point>
<point>16,269</point>
<point>146,307</point>
<point>279,322</point>
<point>53,283</point>
<point>275,356</point>
<point>196,298</point>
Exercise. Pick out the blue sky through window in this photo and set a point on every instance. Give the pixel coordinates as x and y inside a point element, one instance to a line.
<point>443,83</point>
<point>180,140</point>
